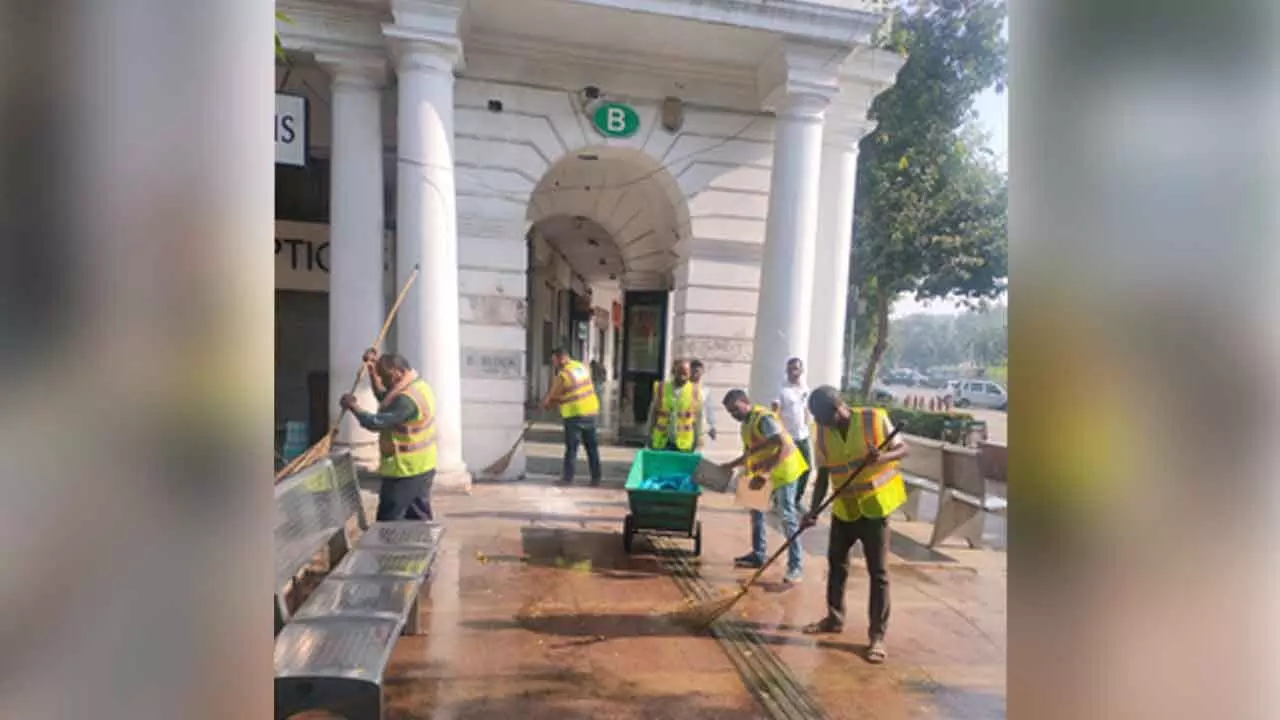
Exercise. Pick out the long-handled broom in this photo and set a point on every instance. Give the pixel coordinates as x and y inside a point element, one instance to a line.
<point>321,448</point>
<point>701,615</point>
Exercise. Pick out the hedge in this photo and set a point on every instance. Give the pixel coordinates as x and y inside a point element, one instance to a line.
<point>922,423</point>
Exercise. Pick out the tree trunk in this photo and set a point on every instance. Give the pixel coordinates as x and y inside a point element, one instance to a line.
<point>877,350</point>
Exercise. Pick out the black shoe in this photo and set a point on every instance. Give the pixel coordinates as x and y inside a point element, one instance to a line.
<point>564,481</point>
<point>748,561</point>
<point>827,625</point>
<point>595,483</point>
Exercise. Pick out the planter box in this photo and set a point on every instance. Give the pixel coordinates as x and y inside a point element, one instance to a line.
<point>994,459</point>
<point>924,457</point>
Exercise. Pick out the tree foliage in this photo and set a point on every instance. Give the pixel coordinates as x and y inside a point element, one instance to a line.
<point>931,214</point>
<point>923,341</point>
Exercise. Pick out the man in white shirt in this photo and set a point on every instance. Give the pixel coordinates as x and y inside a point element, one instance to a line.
<point>696,369</point>
<point>792,406</point>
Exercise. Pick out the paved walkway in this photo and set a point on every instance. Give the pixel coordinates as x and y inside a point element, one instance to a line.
<point>536,612</point>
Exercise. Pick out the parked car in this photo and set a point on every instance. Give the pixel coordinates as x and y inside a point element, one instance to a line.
<point>907,377</point>
<point>978,393</point>
<point>882,395</point>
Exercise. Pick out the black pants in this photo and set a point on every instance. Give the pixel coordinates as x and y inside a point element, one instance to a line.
<point>803,447</point>
<point>581,430</point>
<point>406,498</point>
<point>873,533</point>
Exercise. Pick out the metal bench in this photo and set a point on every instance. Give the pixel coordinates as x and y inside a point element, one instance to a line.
<point>333,653</point>
<point>309,516</point>
<point>964,501</point>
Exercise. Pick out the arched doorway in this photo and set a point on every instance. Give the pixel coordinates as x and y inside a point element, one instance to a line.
<point>608,227</point>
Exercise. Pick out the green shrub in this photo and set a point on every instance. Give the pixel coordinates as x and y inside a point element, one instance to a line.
<point>927,424</point>
<point>922,423</point>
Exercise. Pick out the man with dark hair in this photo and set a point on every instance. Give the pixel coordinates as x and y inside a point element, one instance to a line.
<point>575,394</point>
<point>861,512</point>
<point>792,408</point>
<point>674,411</point>
<point>405,423</point>
<point>696,371</point>
<point>770,455</point>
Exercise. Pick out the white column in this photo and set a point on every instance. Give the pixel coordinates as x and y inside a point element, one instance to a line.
<point>356,228</point>
<point>831,267</point>
<point>427,236</point>
<point>786,272</point>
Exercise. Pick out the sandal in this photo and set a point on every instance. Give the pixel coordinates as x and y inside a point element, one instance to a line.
<point>876,652</point>
<point>827,624</point>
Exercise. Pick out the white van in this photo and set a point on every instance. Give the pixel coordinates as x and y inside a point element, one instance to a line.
<point>979,393</point>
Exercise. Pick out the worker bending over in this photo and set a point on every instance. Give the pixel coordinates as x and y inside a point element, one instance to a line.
<point>770,455</point>
<point>406,427</point>
<point>674,411</point>
<point>575,394</point>
<point>861,512</point>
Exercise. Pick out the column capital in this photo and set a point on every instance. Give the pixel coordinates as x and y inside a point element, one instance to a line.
<point>349,69</point>
<point>426,34</point>
<point>799,80</point>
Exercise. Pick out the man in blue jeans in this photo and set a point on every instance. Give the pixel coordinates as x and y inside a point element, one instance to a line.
<point>575,394</point>
<point>770,455</point>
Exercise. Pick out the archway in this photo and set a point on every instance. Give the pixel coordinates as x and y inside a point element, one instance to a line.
<point>608,227</point>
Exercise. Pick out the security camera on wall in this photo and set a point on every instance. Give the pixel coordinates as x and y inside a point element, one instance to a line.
<point>587,97</point>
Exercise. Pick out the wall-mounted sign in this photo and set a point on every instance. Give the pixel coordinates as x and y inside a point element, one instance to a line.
<point>291,130</point>
<point>616,120</point>
<point>492,364</point>
<point>302,257</point>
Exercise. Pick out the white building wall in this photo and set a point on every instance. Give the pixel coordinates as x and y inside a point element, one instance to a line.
<point>720,160</point>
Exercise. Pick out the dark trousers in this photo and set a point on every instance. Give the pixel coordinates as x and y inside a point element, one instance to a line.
<point>803,447</point>
<point>581,430</point>
<point>406,498</point>
<point>873,533</point>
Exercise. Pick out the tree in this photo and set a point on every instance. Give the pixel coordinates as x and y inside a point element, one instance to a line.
<point>931,209</point>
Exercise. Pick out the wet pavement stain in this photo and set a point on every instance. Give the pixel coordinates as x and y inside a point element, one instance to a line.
<point>537,612</point>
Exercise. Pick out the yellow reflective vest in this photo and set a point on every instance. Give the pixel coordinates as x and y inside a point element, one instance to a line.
<point>577,392</point>
<point>684,404</point>
<point>876,491</point>
<point>410,449</point>
<point>783,464</point>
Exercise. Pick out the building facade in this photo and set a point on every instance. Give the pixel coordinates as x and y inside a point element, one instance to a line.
<point>632,180</point>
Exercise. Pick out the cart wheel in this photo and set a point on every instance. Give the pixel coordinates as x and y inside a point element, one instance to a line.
<point>697,539</point>
<point>628,530</point>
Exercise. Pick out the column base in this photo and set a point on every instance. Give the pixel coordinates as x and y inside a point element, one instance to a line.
<point>457,482</point>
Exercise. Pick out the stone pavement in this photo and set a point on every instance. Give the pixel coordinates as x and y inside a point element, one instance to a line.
<point>536,611</point>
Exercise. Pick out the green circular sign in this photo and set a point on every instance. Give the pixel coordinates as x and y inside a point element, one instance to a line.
<point>616,120</point>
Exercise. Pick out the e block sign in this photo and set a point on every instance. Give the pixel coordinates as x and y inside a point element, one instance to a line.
<point>616,120</point>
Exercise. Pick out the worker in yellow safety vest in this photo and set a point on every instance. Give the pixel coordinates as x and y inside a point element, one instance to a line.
<point>770,455</point>
<point>861,512</point>
<point>406,427</point>
<point>675,410</point>
<point>574,393</point>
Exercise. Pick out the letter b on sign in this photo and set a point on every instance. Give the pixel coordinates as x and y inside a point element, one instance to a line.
<point>616,120</point>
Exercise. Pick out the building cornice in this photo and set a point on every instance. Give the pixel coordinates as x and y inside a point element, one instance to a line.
<point>325,27</point>
<point>608,60</point>
<point>794,18</point>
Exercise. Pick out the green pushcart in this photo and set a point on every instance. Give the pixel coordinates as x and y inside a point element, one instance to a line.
<point>658,511</point>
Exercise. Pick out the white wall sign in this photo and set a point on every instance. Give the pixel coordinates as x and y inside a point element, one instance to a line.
<point>492,364</point>
<point>291,130</point>
<point>302,257</point>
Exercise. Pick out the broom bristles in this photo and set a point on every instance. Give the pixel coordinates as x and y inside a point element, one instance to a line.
<point>700,615</point>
